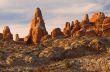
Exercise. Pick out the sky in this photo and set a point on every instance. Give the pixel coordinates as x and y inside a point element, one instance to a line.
<point>18,14</point>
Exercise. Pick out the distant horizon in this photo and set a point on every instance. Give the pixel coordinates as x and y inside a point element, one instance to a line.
<point>19,16</point>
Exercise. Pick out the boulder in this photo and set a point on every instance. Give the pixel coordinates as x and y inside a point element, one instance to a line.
<point>56,33</point>
<point>67,30</point>
<point>7,35</point>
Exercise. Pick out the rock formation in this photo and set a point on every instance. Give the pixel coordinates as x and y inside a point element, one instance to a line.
<point>98,25</point>
<point>80,32</point>
<point>85,22</point>
<point>56,33</point>
<point>106,27</point>
<point>1,36</point>
<point>45,38</point>
<point>75,28</point>
<point>17,38</point>
<point>98,17</point>
<point>37,30</point>
<point>86,18</point>
<point>72,25</point>
<point>28,39</point>
<point>7,34</point>
<point>67,30</point>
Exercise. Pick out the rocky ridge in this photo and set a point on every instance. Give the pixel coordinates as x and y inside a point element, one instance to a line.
<point>81,46</point>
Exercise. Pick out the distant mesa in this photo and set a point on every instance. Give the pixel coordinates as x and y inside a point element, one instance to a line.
<point>98,25</point>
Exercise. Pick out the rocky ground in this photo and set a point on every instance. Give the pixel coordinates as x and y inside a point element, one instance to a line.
<point>57,55</point>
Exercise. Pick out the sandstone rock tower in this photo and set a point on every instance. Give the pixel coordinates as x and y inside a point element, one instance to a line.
<point>37,30</point>
<point>7,35</point>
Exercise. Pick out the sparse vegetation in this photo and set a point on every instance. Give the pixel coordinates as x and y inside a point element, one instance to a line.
<point>67,63</point>
<point>58,50</point>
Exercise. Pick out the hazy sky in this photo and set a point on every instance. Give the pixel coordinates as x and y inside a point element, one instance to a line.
<point>17,14</point>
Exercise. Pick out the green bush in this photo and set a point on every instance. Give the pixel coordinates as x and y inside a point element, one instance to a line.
<point>67,63</point>
<point>2,57</point>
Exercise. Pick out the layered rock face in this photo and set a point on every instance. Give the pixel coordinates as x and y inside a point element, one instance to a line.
<point>67,30</point>
<point>56,33</point>
<point>37,30</point>
<point>7,35</point>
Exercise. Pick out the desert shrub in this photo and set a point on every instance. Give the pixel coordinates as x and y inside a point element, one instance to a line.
<point>28,59</point>
<point>50,44</point>
<point>9,60</point>
<point>41,69</point>
<point>2,57</point>
<point>1,44</point>
<point>67,63</point>
<point>41,45</point>
<point>77,37</point>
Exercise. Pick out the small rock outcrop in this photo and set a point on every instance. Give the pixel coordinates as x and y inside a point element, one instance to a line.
<point>72,25</point>
<point>56,33</point>
<point>7,35</point>
<point>86,18</point>
<point>75,28</point>
<point>67,30</point>
<point>17,38</point>
<point>80,32</point>
<point>27,39</point>
<point>85,22</point>
<point>45,38</point>
<point>98,17</point>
